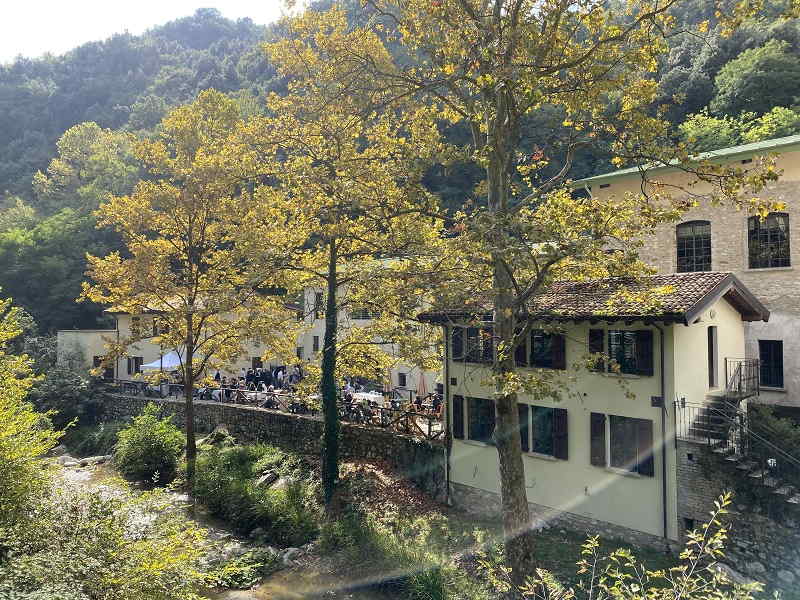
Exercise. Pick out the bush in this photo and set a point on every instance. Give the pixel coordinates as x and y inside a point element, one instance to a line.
<point>244,571</point>
<point>78,545</point>
<point>92,440</point>
<point>71,396</point>
<point>226,482</point>
<point>149,449</point>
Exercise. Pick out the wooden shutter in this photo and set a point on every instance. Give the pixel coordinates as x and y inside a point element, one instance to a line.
<point>644,352</point>
<point>561,434</point>
<point>487,339</point>
<point>644,439</point>
<point>473,345</point>
<point>130,366</point>
<point>458,343</point>
<point>458,417</point>
<point>524,428</point>
<point>558,348</point>
<point>521,353</point>
<point>598,439</point>
<point>597,346</point>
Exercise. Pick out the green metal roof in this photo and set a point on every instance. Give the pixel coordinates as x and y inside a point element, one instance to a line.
<point>725,153</point>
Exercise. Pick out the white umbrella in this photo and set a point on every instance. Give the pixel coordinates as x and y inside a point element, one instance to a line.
<point>168,362</point>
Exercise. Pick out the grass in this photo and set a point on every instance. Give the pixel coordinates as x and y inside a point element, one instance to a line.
<point>226,482</point>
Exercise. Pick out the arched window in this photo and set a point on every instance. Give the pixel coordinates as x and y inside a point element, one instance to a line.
<point>768,241</point>
<point>694,246</point>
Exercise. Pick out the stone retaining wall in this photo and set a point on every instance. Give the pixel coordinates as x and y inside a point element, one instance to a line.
<point>764,528</point>
<point>420,461</point>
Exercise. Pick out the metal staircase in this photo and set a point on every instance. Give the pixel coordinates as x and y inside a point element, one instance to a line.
<point>733,436</point>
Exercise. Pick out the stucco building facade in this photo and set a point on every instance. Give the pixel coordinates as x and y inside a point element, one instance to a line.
<point>763,254</point>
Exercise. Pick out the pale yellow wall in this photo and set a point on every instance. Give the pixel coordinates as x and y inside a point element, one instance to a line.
<point>316,327</point>
<point>82,344</point>
<point>575,485</point>
<point>691,351</point>
<point>777,288</point>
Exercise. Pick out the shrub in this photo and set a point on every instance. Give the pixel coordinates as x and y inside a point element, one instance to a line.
<point>149,449</point>
<point>71,397</point>
<point>92,440</point>
<point>226,481</point>
<point>243,571</point>
<point>78,545</point>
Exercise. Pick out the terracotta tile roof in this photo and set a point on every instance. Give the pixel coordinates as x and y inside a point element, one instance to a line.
<point>677,297</point>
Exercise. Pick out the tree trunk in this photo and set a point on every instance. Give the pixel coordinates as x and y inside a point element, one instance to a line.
<point>330,409</point>
<point>188,391</point>
<point>514,501</point>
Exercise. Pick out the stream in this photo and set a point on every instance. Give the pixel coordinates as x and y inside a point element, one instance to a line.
<point>312,581</point>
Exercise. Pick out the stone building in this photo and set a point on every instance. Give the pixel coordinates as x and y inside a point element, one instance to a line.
<point>763,254</point>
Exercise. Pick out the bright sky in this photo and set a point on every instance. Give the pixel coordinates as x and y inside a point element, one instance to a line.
<point>33,27</point>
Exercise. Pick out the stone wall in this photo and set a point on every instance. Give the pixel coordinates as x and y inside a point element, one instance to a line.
<point>764,527</point>
<point>420,461</point>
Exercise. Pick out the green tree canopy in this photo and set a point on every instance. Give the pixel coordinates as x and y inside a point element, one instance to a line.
<point>758,80</point>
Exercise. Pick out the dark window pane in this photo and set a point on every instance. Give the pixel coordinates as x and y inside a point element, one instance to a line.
<point>481,419</point>
<point>694,246</point>
<point>771,355</point>
<point>624,444</point>
<point>768,241</point>
<point>542,430</point>
<point>524,428</point>
<point>472,347</point>
<point>597,346</point>
<point>487,344</point>
<point>541,350</point>
<point>597,436</point>
<point>622,349</point>
<point>631,444</point>
<point>458,417</point>
<point>458,343</point>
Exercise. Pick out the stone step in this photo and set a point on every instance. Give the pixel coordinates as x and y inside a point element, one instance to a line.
<point>746,466</point>
<point>734,457</point>
<point>794,499</point>
<point>724,450</point>
<point>785,490</point>
<point>758,474</point>
<point>772,482</point>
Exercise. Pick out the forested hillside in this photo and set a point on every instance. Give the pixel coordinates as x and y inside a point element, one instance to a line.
<point>67,122</point>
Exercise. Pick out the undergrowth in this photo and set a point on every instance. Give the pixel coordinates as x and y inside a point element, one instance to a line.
<point>226,482</point>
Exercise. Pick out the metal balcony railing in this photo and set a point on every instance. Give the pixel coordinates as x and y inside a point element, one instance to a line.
<point>742,378</point>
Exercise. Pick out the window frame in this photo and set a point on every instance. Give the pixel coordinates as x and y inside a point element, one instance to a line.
<point>765,256</point>
<point>315,343</point>
<point>695,247</point>
<point>402,379</point>
<point>779,369</point>
<point>642,466</point>
<point>483,418</point>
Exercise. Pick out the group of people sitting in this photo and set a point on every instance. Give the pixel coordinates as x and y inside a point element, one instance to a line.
<point>274,379</point>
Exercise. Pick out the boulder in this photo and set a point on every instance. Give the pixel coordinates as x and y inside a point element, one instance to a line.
<point>219,436</point>
<point>95,460</point>
<point>267,479</point>
<point>257,533</point>
<point>64,459</point>
<point>755,568</point>
<point>59,450</point>
<point>786,577</point>
<point>732,574</point>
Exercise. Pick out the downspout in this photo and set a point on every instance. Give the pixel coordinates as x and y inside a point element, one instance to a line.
<point>447,396</point>
<point>116,358</point>
<point>663,434</point>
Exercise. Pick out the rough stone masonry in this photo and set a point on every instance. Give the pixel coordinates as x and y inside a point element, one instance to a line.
<point>420,461</point>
